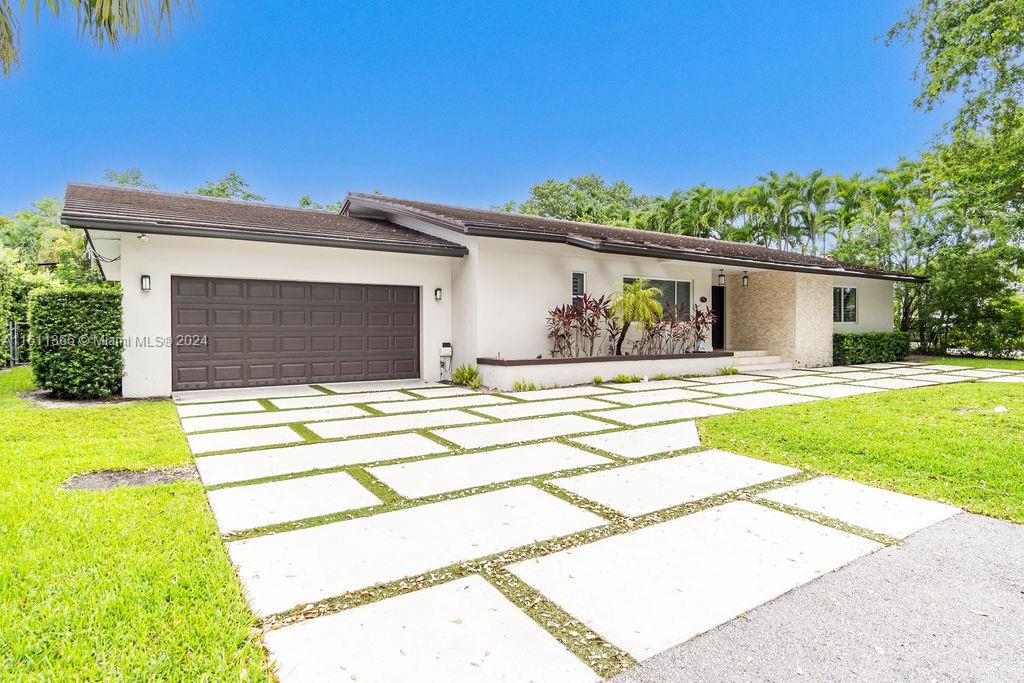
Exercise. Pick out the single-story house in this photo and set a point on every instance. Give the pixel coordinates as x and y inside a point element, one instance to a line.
<point>220,293</point>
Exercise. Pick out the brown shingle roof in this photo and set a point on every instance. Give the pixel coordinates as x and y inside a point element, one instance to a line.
<point>613,239</point>
<point>132,210</point>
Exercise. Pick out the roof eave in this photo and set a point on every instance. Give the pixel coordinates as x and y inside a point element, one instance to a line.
<point>85,223</point>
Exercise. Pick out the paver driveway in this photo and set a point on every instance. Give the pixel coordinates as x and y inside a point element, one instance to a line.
<point>402,530</point>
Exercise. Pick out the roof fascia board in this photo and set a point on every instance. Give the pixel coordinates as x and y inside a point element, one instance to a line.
<point>604,247</point>
<point>656,252</point>
<point>453,251</point>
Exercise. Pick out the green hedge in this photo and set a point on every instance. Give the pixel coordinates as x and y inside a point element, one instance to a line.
<point>869,347</point>
<point>76,341</point>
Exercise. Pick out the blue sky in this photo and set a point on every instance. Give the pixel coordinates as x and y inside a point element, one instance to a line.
<point>465,102</point>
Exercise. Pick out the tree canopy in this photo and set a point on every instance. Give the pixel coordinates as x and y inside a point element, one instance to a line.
<point>102,21</point>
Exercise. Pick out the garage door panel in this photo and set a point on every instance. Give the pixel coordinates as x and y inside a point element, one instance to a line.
<point>224,345</point>
<point>261,317</point>
<point>265,332</point>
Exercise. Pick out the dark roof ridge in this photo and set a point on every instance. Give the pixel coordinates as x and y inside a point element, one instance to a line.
<point>636,231</point>
<point>201,197</point>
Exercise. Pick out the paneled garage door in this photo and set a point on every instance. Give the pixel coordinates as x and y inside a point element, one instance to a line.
<point>239,333</point>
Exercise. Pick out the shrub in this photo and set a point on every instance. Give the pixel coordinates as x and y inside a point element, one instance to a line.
<point>523,385</point>
<point>728,371</point>
<point>598,379</point>
<point>623,379</point>
<point>76,341</point>
<point>467,375</point>
<point>869,347</point>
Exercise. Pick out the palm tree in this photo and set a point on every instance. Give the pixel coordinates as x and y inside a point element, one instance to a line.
<point>782,198</point>
<point>103,21</point>
<point>815,193</point>
<point>635,302</point>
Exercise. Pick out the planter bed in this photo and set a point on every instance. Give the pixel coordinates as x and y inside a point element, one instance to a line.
<point>502,373</point>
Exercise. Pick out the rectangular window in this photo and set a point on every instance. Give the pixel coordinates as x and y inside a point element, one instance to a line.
<point>674,293</point>
<point>579,285</point>
<point>844,304</point>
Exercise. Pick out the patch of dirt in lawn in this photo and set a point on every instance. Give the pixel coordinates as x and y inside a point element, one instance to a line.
<point>108,479</point>
<point>44,398</point>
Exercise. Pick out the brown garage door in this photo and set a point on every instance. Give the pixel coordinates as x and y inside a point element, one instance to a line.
<point>239,333</point>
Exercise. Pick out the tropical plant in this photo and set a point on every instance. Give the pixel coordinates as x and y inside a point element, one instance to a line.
<point>523,385</point>
<point>102,21</point>
<point>467,375</point>
<point>635,302</point>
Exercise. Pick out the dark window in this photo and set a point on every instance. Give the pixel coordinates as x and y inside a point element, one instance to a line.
<point>674,293</point>
<point>844,304</point>
<point>579,285</point>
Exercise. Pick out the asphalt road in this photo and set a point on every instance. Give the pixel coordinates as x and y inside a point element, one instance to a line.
<point>947,605</point>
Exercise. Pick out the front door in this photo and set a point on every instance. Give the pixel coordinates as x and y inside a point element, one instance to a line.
<point>718,306</point>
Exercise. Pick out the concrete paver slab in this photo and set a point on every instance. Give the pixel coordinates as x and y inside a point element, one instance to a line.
<point>515,411</point>
<point>445,403</point>
<point>768,399</point>
<point>894,383</point>
<point>283,570</point>
<point>268,417</point>
<point>455,472</point>
<point>560,392</point>
<point>391,423</point>
<point>462,631</point>
<point>378,385</point>
<point>742,388</point>
<point>499,433</point>
<point>243,393</point>
<point>809,381</point>
<point>980,373</point>
<point>442,392</point>
<point>638,443</point>
<point>340,399</point>
<point>940,378</point>
<point>653,588</point>
<point>650,384</point>
<point>856,376</point>
<point>894,514</point>
<point>644,415</point>
<point>645,487</point>
<point>1013,379</point>
<point>242,438</point>
<point>274,462</point>
<point>726,379</point>
<point>833,391</point>
<point>198,409</point>
<point>247,507</point>
<point>639,398</point>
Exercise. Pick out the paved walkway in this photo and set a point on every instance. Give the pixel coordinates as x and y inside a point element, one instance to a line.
<point>395,530</point>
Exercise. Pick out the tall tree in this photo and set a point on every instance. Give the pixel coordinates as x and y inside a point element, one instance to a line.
<point>130,177</point>
<point>973,49</point>
<point>231,186</point>
<point>102,21</point>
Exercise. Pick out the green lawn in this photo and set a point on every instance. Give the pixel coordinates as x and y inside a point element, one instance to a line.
<point>974,362</point>
<point>129,583</point>
<point>944,443</point>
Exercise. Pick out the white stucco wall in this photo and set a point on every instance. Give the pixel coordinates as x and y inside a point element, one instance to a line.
<point>147,315</point>
<point>522,281</point>
<point>874,305</point>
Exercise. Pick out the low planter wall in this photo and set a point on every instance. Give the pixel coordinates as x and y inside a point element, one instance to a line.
<point>503,374</point>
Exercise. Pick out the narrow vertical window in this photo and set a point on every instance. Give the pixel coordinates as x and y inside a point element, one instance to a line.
<point>579,285</point>
<point>844,304</point>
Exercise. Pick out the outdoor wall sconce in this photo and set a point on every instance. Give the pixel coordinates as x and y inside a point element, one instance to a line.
<point>143,237</point>
<point>721,278</point>
<point>437,294</point>
<point>746,280</point>
<point>145,283</point>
